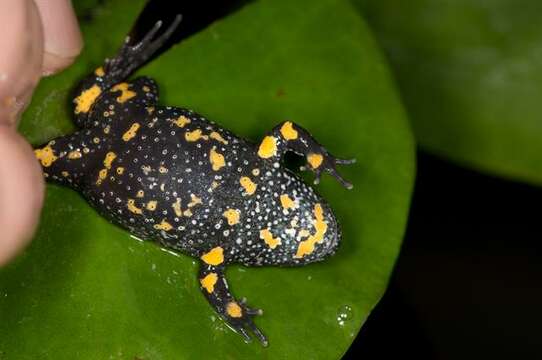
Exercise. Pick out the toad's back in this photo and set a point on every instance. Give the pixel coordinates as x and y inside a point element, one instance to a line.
<point>180,178</point>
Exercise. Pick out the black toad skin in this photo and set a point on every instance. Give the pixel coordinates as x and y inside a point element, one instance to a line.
<point>170,175</point>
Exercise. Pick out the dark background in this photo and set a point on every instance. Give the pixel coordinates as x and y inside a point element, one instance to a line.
<point>466,282</point>
<point>466,285</point>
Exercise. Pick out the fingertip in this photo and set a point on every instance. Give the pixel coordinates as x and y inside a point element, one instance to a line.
<point>21,193</point>
<point>61,33</point>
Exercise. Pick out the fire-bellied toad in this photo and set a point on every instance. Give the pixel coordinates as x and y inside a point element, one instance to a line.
<point>168,174</point>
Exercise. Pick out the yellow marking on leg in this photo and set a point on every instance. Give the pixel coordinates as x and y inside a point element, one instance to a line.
<point>133,208</point>
<point>209,281</point>
<point>109,158</point>
<point>126,94</point>
<point>217,159</point>
<point>315,160</point>
<point>268,147</point>
<point>46,156</point>
<point>86,99</point>
<point>268,238</point>
<point>164,225</point>
<point>99,71</point>
<point>234,310</point>
<point>248,185</point>
<point>76,154</point>
<point>288,132</point>
<point>182,121</point>
<point>216,136</point>
<point>214,257</point>
<point>151,205</point>
<point>306,247</point>
<point>232,215</point>
<point>286,202</point>
<point>131,133</point>
<point>195,135</point>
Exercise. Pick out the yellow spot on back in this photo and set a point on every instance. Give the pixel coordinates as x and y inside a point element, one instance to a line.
<point>209,281</point>
<point>85,100</point>
<point>214,257</point>
<point>131,133</point>
<point>101,176</point>
<point>232,215</point>
<point>146,88</point>
<point>76,154</point>
<point>162,170</point>
<point>125,95</point>
<point>65,173</point>
<point>120,170</point>
<point>195,135</point>
<point>177,208</point>
<point>194,201</point>
<point>288,132</point>
<point>133,208</point>
<point>107,129</point>
<point>234,310</point>
<point>286,202</point>
<point>217,159</point>
<point>99,71</point>
<point>306,247</point>
<point>140,194</point>
<point>109,158</point>
<point>255,172</point>
<point>187,213</point>
<point>268,147</point>
<point>268,238</point>
<point>164,225</point>
<point>151,205</point>
<point>96,140</point>
<point>182,121</point>
<point>46,156</point>
<point>216,136</point>
<point>315,160</point>
<point>150,109</point>
<point>248,185</point>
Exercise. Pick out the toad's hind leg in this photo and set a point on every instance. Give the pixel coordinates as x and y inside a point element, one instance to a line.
<point>214,287</point>
<point>288,136</point>
<point>109,77</point>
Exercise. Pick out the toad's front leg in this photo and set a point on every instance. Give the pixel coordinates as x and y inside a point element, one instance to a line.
<point>214,286</point>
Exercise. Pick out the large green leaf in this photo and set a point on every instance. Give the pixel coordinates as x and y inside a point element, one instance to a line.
<point>86,290</point>
<point>470,72</point>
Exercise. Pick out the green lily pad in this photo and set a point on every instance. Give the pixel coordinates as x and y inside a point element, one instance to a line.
<point>85,289</point>
<point>470,73</point>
